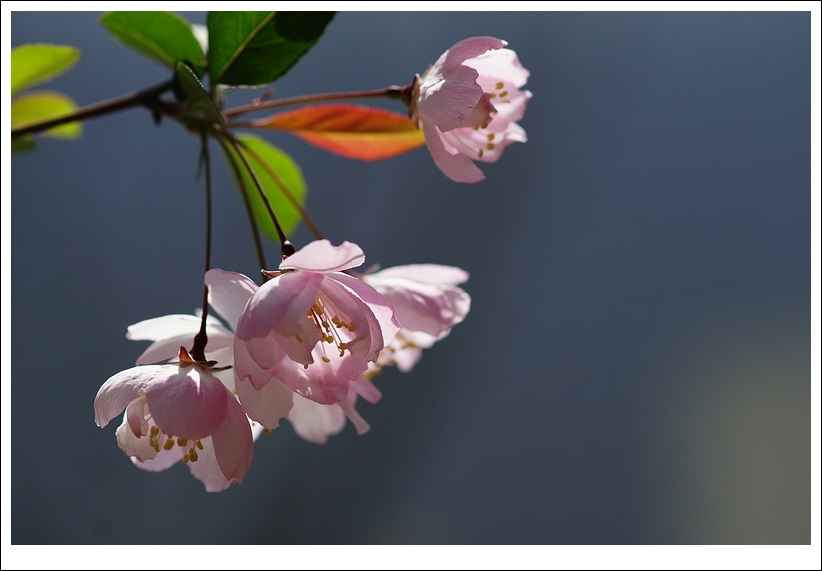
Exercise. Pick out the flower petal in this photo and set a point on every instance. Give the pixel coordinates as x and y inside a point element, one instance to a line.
<point>380,306</point>
<point>233,442</point>
<point>268,404</point>
<point>321,256</point>
<point>499,65</point>
<point>350,411</point>
<point>229,293</point>
<point>187,402</point>
<point>316,422</point>
<point>466,49</point>
<point>207,469</point>
<point>423,273</point>
<point>122,388</point>
<point>458,168</point>
<point>451,100</point>
<point>279,304</point>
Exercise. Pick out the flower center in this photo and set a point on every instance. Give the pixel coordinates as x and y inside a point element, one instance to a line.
<point>332,328</point>
<point>158,439</point>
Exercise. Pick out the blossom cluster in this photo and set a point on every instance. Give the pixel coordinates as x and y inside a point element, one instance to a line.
<point>309,341</point>
<point>303,346</point>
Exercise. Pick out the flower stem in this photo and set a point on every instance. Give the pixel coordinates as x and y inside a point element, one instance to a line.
<point>146,97</point>
<point>286,247</point>
<point>255,231</point>
<point>391,92</point>
<point>285,190</point>
<point>201,339</point>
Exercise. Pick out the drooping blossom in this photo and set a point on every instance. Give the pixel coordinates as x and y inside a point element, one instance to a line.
<point>427,302</point>
<point>312,326</point>
<point>468,103</point>
<point>184,411</point>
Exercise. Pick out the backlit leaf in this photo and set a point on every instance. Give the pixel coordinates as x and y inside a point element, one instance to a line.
<point>162,36</point>
<point>196,97</point>
<point>353,131</point>
<point>40,105</point>
<point>35,63</point>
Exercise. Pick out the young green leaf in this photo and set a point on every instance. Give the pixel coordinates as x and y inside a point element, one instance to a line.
<point>35,63</point>
<point>255,48</point>
<point>353,131</point>
<point>41,105</point>
<point>24,144</point>
<point>162,36</point>
<point>197,98</point>
<point>286,172</point>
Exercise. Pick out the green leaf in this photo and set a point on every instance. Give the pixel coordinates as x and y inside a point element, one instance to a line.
<point>255,48</point>
<point>40,105</point>
<point>288,173</point>
<point>196,97</point>
<point>162,36</point>
<point>35,63</point>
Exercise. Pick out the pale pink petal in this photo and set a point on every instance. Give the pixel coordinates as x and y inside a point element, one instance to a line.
<point>366,390</point>
<point>466,49</point>
<point>164,459</point>
<point>366,341</point>
<point>228,294</point>
<point>321,256</point>
<point>187,402</point>
<point>256,370</point>
<point>137,417</point>
<point>279,304</point>
<point>316,422</point>
<point>124,387</point>
<point>233,443</point>
<point>162,327</point>
<point>207,469</point>
<point>378,304</point>
<point>481,114</point>
<point>350,411</point>
<point>451,100</point>
<point>168,348</point>
<point>424,273</point>
<point>132,445</point>
<point>499,65</point>
<point>458,168</point>
<point>323,382</point>
<point>268,404</point>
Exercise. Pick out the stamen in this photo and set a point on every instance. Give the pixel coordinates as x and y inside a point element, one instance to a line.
<point>326,359</point>
<point>181,442</point>
<point>169,444</point>
<point>500,85</point>
<point>192,453</point>
<point>199,445</point>
<point>503,94</point>
<point>480,153</point>
<point>490,146</point>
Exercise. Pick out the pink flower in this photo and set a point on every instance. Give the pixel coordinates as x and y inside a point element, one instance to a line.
<point>184,410</point>
<point>315,422</point>
<point>313,327</point>
<point>468,103</point>
<point>427,303</point>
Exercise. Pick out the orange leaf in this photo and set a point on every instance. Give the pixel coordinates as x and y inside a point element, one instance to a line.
<point>353,131</point>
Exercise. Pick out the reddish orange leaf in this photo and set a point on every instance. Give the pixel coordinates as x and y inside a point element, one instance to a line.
<point>353,131</point>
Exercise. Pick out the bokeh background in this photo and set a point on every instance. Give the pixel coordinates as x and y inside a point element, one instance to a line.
<point>636,364</point>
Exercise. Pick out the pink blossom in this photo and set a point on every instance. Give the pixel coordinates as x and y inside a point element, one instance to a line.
<point>315,422</point>
<point>468,103</point>
<point>427,302</point>
<point>179,408</point>
<point>312,326</point>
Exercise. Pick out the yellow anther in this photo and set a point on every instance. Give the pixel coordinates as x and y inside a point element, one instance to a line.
<point>305,366</point>
<point>169,444</point>
<point>299,338</point>
<point>325,324</point>
<point>182,442</point>
<point>268,431</point>
<point>192,454</point>
<point>156,447</point>
<point>342,353</point>
<point>186,458</point>
<point>503,94</point>
<point>335,320</point>
<point>480,153</point>
<point>329,339</point>
<point>490,146</point>
<point>326,359</point>
<point>485,125</point>
<point>490,136</point>
<point>155,430</point>
<point>500,85</point>
<point>493,95</point>
<point>199,445</point>
<point>350,327</point>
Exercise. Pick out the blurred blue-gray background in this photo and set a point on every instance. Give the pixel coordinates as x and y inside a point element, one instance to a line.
<point>636,364</point>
